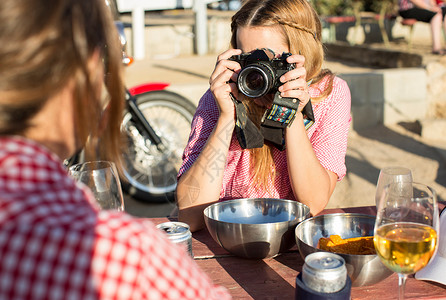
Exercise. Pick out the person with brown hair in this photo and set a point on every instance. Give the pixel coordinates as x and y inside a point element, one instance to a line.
<point>427,11</point>
<point>222,161</point>
<point>55,243</point>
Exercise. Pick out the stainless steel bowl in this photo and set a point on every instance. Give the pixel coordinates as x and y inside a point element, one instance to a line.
<point>363,269</point>
<point>255,227</point>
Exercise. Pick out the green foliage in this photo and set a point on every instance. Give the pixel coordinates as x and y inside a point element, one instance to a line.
<point>390,6</point>
<point>376,5</point>
<point>348,7</point>
<point>333,7</point>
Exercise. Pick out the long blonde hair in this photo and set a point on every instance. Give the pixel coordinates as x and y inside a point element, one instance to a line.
<point>43,48</point>
<point>301,29</point>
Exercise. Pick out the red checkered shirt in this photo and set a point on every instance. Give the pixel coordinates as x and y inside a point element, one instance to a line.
<point>328,136</point>
<point>56,244</point>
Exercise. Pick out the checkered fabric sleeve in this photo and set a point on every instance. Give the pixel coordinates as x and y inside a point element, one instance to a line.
<point>54,244</point>
<point>205,118</point>
<point>328,135</point>
<point>155,269</point>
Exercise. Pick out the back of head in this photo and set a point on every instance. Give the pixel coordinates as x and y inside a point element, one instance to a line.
<point>45,45</point>
<point>299,21</point>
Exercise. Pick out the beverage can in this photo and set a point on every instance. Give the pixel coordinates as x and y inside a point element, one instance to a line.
<point>324,272</point>
<point>178,233</point>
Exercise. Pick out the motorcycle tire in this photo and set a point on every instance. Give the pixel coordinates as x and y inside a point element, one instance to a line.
<point>150,174</point>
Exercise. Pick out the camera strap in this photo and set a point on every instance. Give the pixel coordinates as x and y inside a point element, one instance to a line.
<point>274,121</point>
<point>248,135</point>
<point>281,115</point>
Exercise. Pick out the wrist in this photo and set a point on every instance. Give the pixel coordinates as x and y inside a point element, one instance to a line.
<point>298,119</point>
<point>225,125</point>
<point>227,118</point>
<point>299,116</point>
<point>298,122</point>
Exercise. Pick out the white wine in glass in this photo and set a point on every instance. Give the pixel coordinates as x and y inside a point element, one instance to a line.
<point>406,228</point>
<point>103,180</point>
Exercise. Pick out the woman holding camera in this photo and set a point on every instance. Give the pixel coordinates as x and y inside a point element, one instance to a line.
<point>216,168</point>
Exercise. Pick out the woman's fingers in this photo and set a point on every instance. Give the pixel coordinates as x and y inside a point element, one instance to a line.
<point>295,85</point>
<point>296,59</point>
<point>298,72</point>
<point>295,82</point>
<point>223,63</point>
<point>222,93</point>
<point>222,81</point>
<point>222,66</point>
<point>302,95</point>
<point>223,84</point>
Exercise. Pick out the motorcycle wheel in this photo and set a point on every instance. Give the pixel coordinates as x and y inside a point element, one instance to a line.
<point>150,174</point>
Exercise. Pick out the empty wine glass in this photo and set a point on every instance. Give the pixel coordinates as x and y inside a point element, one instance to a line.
<point>406,228</point>
<point>102,178</point>
<point>391,174</point>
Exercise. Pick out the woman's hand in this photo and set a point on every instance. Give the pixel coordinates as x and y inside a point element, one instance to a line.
<point>223,82</point>
<point>295,82</point>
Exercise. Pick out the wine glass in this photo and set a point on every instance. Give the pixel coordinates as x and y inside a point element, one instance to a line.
<point>102,179</point>
<point>405,233</point>
<point>391,174</point>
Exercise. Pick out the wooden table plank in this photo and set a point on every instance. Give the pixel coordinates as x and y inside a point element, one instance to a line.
<point>274,278</point>
<point>388,289</point>
<point>271,278</point>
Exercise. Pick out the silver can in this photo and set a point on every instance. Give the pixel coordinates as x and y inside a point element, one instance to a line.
<point>324,272</point>
<point>178,233</point>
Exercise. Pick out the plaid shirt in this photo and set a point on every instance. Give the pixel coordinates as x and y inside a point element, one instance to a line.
<point>56,244</point>
<point>328,136</point>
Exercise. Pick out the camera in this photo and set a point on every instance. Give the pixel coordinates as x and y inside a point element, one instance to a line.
<point>261,71</point>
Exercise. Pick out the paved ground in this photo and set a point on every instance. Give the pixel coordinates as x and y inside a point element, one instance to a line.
<point>368,151</point>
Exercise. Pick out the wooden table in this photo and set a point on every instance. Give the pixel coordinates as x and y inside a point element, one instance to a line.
<point>274,278</point>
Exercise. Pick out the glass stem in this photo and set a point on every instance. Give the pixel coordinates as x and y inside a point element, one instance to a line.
<point>401,285</point>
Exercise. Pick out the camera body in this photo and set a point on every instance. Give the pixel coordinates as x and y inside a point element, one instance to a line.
<point>261,71</point>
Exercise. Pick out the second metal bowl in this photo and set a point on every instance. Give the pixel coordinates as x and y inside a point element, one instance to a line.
<point>363,269</point>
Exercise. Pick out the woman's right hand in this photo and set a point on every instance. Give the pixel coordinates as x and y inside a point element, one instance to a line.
<point>223,82</point>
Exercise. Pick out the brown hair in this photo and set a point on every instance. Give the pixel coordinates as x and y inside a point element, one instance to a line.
<point>301,29</point>
<point>43,48</point>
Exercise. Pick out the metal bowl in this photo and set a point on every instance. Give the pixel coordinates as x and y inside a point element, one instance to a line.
<point>255,227</point>
<point>363,270</point>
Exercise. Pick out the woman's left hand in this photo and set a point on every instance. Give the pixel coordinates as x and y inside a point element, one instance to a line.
<point>295,81</point>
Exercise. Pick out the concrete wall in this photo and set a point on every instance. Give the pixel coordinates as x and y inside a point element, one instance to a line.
<point>436,87</point>
<point>369,32</point>
<point>164,38</point>
<point>387,96</point>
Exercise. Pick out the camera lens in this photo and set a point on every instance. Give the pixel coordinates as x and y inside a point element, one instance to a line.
<point>255,80</point>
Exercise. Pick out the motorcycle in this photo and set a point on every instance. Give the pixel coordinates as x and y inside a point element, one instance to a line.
<point>156,125</point>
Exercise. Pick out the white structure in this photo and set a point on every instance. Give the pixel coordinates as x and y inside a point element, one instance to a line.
<point>139,7</point>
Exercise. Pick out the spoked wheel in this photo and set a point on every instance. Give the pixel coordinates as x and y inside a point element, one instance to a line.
<point>150,173</point>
